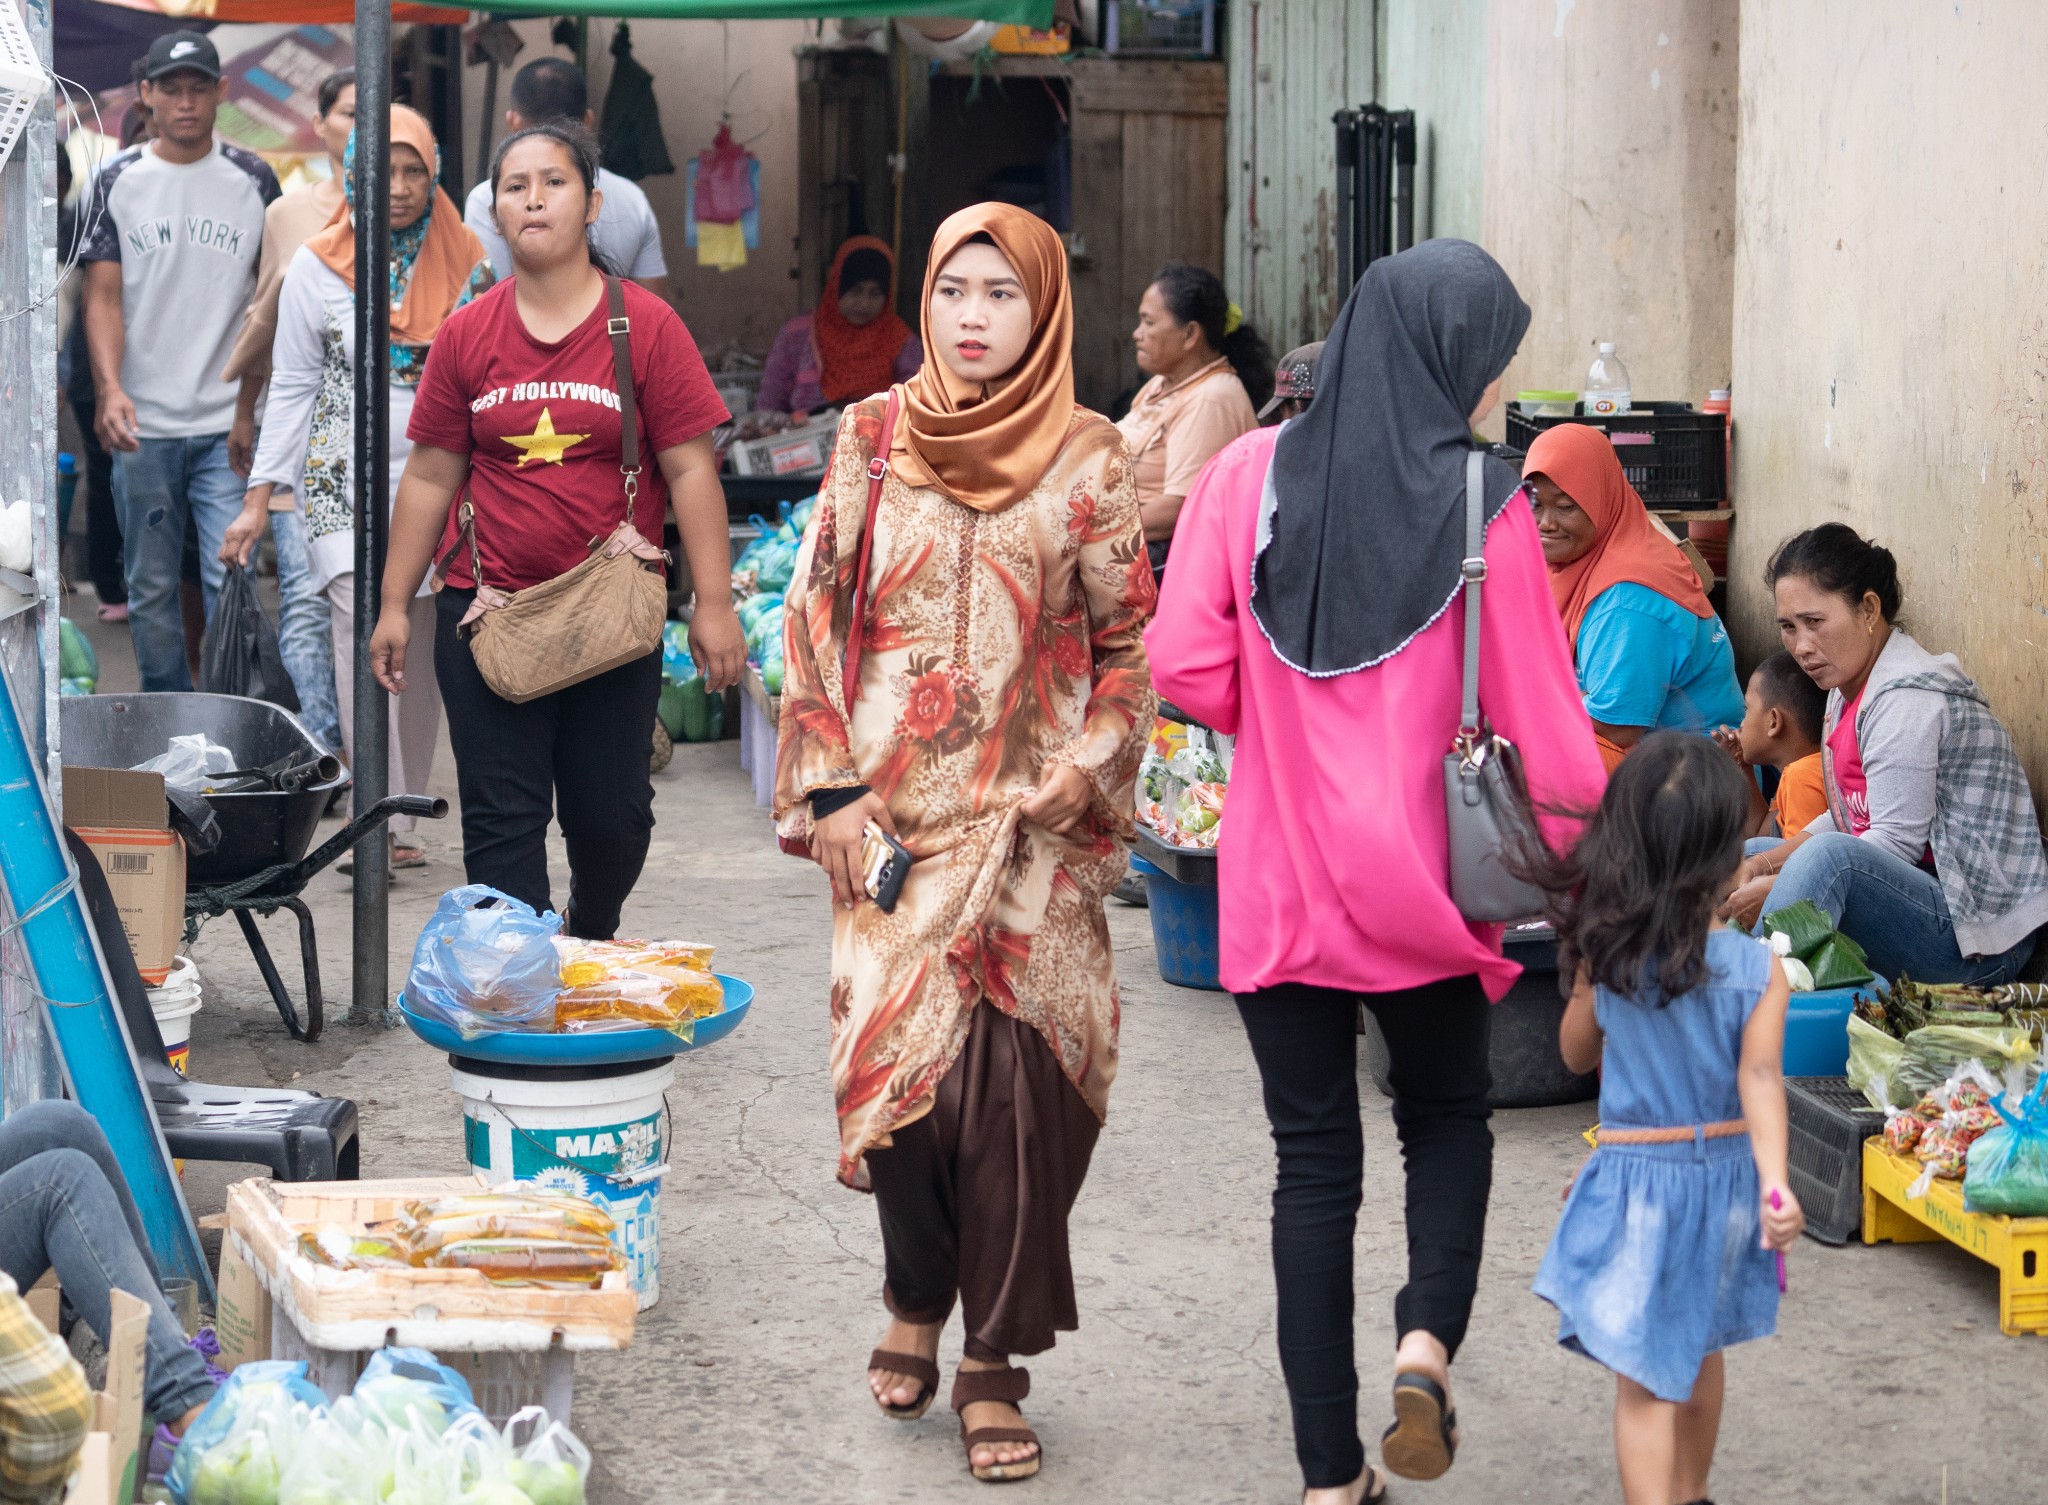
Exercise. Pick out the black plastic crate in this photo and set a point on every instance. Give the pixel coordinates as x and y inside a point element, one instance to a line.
<point>1830,1119</point>
<point>1674,455</point>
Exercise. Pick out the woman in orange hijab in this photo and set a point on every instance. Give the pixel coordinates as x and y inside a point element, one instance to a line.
<point>853,346</point>
<point>966,673</point>
<point>1650,652</point>
<point>300,480</point>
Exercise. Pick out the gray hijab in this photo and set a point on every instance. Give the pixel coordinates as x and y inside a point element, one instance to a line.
<point>1362,529</point>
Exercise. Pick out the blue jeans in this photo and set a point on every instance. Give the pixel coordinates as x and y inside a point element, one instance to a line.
<point>303,631</point>
<point>65,1206</point>
<point>156,489</point>
<point>1895,911</point>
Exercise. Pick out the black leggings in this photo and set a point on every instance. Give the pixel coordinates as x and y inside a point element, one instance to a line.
<point>580,754</point>
<point>1306,1043</point>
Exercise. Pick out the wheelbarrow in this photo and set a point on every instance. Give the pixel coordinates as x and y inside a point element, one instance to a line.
<point>260,864</point>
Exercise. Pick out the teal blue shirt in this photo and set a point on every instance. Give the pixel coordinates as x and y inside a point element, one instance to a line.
<point>1644,660</point>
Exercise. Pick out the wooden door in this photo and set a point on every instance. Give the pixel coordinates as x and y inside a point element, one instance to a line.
<point>843,147</point>
<point>1148,176</point>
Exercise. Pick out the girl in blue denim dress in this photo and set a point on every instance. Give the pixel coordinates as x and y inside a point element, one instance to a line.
<point>1663,1256</point>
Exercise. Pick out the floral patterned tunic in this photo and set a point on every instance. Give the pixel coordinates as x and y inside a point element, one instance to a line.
<point>996,643</point>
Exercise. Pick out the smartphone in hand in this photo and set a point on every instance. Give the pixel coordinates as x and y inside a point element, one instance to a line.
<point>884,864</point>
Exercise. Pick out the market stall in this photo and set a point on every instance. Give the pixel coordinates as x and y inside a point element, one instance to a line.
<point>1935,1128</point>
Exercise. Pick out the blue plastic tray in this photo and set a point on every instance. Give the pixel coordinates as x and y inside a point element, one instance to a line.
<point>598,1048</point>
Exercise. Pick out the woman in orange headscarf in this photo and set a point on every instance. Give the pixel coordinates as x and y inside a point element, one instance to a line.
<point>852,347</point>
<point>308,440</point>
<point>1650,652</point>
<point>966,672</point>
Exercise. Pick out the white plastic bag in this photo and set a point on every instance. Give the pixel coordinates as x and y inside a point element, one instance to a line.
<point>190,762</point>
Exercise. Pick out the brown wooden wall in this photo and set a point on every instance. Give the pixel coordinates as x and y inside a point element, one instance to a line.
<point>1148,187</point>
<point>1148,179</point>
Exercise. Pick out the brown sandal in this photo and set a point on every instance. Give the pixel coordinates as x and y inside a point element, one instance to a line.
<point>923,1370</point>
<point>1011,1385</point>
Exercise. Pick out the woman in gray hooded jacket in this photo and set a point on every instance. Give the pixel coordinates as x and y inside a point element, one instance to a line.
<point>1930,855</point>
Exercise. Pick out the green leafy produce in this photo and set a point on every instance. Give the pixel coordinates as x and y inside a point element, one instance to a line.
<point>1834,960</point>
<point>1874,1058</point>
<point>557,1483</point>
<point>1931,1054</point>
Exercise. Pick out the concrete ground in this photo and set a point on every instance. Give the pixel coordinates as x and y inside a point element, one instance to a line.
<point>1889,1381</point>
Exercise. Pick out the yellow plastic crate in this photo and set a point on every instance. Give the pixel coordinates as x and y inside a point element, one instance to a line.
<point>2018,1247</point>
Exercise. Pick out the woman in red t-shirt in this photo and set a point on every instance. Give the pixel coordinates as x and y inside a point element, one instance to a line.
<point>518,403</point>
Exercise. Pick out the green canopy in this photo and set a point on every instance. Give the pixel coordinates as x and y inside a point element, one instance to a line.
<point>1017,12</point>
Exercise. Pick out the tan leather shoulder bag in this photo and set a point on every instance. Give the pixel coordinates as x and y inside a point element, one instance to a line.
<point>607,611</point>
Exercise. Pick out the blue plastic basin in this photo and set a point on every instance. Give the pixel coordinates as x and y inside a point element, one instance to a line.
<point>1184,927</point>
<point>592,1048</point>
<point>1817,1029</point>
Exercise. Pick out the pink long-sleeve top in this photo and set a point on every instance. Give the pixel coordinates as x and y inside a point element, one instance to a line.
<point>1333,866</point>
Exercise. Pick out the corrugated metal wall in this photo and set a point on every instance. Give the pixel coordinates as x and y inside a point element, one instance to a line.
<point>1293,64</point>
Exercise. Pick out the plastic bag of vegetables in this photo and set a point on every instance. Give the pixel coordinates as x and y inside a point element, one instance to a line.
<point>553,1465</point>
<point>233,1453</point>
<point>1874,1058</point>
<point>1931,1055</point>
<point>399,1384</point>
<point>2008,1166</point>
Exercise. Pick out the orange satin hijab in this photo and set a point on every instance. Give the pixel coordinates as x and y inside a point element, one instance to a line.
<point>985,444</point>
<point>1627,547</point>
<point>447,256</point>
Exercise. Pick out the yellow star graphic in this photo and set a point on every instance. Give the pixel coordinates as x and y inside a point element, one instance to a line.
<point>543,443</point>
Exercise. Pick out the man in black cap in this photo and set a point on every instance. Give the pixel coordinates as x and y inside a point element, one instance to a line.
<point>170,265</point>
<point>1294,384</point>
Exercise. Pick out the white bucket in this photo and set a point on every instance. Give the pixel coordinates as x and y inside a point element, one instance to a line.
<point>599,1137</point>
<point>174,1004</point>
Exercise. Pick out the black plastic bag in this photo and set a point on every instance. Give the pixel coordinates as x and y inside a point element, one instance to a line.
<point>240,655</point>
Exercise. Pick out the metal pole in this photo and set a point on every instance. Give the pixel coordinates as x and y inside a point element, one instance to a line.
<point>1404,179</point>
<point>1347,192</point>
<point>370,1000</point>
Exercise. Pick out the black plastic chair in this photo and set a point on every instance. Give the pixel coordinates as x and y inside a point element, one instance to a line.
<point>301,1136</point>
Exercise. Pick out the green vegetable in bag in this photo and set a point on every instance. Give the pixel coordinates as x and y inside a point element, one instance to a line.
<point>1874,1058</point>
<point>2008,1167</point>
<point>1930,1055</point>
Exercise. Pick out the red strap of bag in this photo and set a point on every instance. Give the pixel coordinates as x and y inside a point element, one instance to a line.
<point>878,470</point>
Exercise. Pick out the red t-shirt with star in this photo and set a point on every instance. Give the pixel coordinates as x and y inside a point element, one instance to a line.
<point>540,424</point>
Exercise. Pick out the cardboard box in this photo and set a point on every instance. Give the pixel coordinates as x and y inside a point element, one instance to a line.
<point>242,1308</point>
<point>124,799</point>
<point>108,1464</point>
<point>121,813</point>
<point>146,875</point>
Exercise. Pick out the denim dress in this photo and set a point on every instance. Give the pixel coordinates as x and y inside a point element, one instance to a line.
<point>1657,1260</point>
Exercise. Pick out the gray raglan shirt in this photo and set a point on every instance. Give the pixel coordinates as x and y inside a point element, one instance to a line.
<point>1943,776</point>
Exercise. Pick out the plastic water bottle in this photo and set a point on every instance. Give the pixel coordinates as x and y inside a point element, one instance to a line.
<point>1606,385</point>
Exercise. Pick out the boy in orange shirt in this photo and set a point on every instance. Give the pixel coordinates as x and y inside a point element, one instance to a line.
<point>1781,725</point>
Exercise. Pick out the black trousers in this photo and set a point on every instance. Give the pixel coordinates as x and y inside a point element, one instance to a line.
<point>102,522</point>
<point>1306,1043</point>
<point>580,755</point>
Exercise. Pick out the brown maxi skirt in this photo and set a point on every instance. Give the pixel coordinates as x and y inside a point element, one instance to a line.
<point>974,1196</point>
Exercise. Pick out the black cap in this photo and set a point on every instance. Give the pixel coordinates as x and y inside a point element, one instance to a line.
<point>181,52</point>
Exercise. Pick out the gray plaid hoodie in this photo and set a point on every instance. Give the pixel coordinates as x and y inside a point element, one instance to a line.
<point>1942,775</point>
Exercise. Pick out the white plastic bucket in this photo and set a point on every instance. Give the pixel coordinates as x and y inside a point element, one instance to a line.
<point>599,1137</point>
<point>174,1004</point>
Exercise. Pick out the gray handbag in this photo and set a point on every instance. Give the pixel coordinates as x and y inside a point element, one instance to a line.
<point>1486,799</point>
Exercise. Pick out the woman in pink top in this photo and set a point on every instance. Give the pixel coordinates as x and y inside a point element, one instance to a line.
<point>1306,612</point>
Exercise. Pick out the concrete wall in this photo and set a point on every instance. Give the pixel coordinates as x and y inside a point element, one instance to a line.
<point>1293,64</point>
<point>1609,184</point>
<point>1433,61</point>
<point>694,63</point>
<point>1891,326</point>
